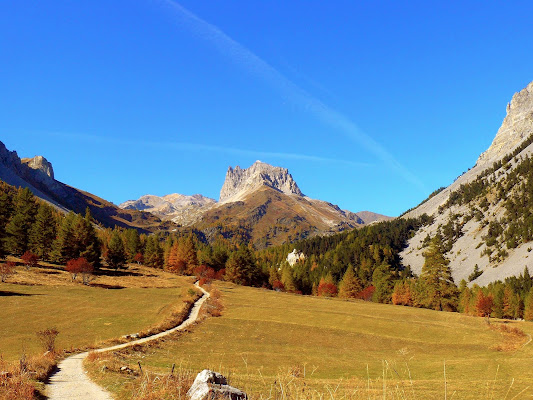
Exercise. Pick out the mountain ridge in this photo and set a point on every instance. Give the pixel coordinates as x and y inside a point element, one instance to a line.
<point>476,205</point>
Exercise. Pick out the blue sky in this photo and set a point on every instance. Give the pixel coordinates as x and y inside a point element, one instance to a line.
<point>370,105</point>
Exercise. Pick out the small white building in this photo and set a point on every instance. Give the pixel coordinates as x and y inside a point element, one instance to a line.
<point>294,257</point>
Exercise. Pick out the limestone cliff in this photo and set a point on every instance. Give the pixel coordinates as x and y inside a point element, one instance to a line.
<point>241,182</point>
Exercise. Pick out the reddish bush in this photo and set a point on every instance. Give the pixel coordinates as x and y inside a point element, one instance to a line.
<point>484,304</point>
<point>204,274</point>
<point>80,266</point>
<point>326,289</point>
<point>219,276</point>
<point>30,260</point>
<point>366,294</point>
<point>6,270</point>
<point>139,258</point>
<point>278,286</point>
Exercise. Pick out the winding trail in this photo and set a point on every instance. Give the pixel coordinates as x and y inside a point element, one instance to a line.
<point>70,382</point>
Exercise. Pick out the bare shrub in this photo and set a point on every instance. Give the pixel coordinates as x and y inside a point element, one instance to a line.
<point>48,338</point>
<point>6,270</point>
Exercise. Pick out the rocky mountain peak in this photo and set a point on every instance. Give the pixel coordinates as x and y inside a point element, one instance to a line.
<point>39,163</point>
<point>517,126</point>
<point>240,182</point>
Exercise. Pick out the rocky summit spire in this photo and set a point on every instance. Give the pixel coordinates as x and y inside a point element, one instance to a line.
<point>239,182</point>
<point>517,126</point>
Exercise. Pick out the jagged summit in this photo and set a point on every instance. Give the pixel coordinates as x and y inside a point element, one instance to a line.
<point>516,126</point>
<point>240,182</point>
<point>39,163</point>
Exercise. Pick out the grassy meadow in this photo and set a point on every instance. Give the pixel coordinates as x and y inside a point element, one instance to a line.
<point>116,303</point>
<point>272,344</point>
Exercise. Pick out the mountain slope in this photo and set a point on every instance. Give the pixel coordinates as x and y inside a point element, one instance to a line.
<point>37,174</point>
<point>480,213</point>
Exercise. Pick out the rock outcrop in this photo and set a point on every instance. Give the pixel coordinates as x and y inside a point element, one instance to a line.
<point>241,182</point>
<point>212,385</point>
<point>516,126</point>
<point>39,163</point>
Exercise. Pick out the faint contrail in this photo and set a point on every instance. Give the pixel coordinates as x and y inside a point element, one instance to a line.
<point>203,147</point>
<point>247,59</point>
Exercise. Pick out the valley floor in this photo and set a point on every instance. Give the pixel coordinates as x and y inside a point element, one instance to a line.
<point>277,345</point>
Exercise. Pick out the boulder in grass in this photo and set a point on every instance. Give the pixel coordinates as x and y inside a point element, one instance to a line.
<point>210,385</point>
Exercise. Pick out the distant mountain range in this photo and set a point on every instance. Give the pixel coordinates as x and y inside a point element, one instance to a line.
<point>264,201</point>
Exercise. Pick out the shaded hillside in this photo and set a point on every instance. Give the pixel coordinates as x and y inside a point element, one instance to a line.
<point>37,175</point>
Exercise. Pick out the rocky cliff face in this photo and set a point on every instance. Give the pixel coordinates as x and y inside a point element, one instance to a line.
<point>516,126</point>
<point>179,208</point>
<point>472,213</point>
<point>241,182</point>
<point>39,163</point>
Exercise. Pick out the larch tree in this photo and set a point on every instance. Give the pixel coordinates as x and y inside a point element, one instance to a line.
<point>350,285</point>
<point>440,291</point>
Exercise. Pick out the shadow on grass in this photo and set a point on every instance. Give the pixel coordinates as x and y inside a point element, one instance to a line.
<point>115,272</point>
<point>6,293</point>
<point>104,286</point>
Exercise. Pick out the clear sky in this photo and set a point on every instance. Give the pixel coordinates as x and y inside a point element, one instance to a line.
<point>371,105</point>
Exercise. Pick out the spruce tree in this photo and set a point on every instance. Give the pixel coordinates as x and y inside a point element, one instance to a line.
<point>116,256</point>
<point>18,229</point>
<point>64,246</point>
<point>153,253</point>
<point>43,232</point>
<point>132,244</point>
<point>87,242</point>
<point>6,211</point>
<point>528,308</point>
<point>440,290</point>
<point>240,266</point>
<point>350,284</point>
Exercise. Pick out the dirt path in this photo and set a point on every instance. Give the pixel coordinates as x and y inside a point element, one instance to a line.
<point>70,382</point>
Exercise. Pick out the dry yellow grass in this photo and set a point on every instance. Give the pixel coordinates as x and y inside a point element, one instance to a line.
<point>282,346</point>
<point>114,305</point>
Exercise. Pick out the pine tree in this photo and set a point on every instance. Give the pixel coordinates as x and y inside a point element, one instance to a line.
<point>43,232</point>
<point>87,241</point>
<point>288,280</point>
<point>18,229</point>
<point>116,256</point>
<point>240,266</point>
<point>440,290</point>
<point>350,284</point>
<point>132,244</point>
<point>528,308</point>
<point>153,253</point>
<point>6,211</point>
<point>383,283</point>
<point>64,247</point>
